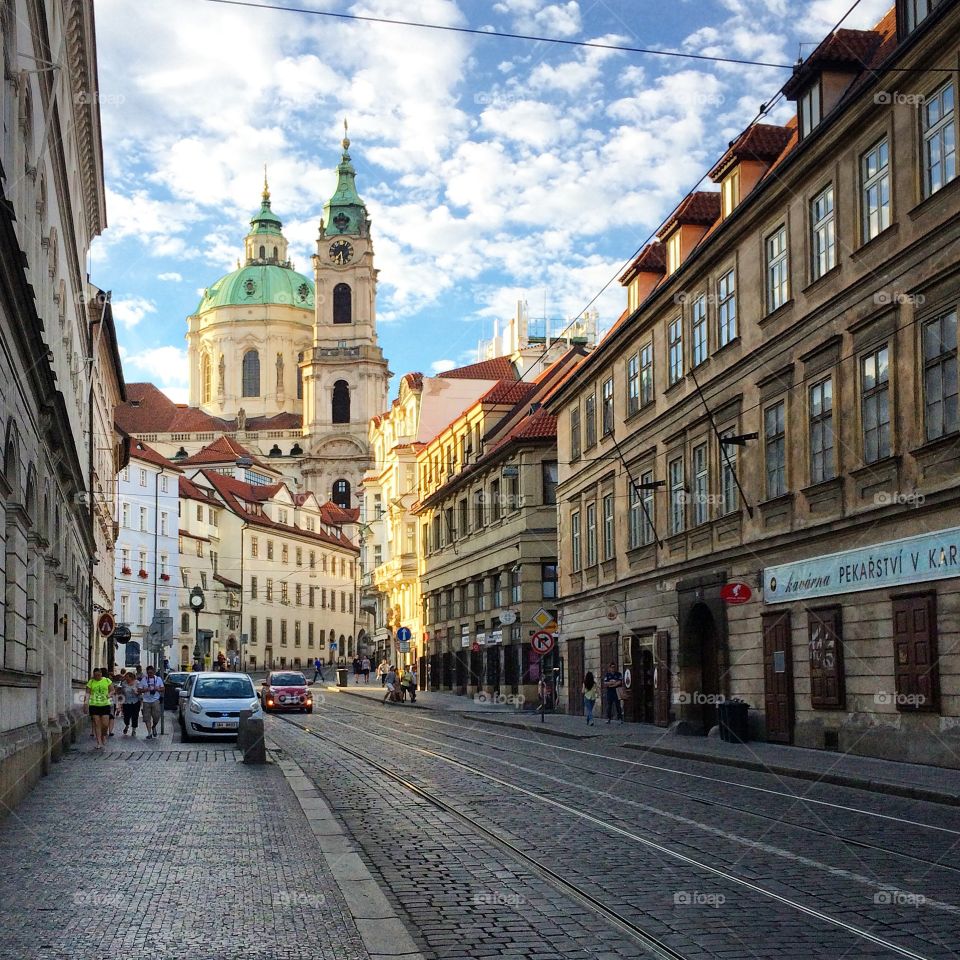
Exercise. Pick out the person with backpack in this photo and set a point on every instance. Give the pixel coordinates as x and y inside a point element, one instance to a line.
<point>590,694</point>
<point>151,689</point>
<point>130,698</point>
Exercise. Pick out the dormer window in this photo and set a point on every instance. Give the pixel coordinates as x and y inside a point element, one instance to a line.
<point>809,106</point>
<point>674,253</point>
<point>911,13</point>
<point>730,192</point>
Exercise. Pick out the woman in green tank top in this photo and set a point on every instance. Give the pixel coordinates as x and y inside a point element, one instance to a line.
<point>100,705</point>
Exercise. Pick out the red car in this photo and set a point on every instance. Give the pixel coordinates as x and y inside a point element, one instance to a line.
<point>284,690</point>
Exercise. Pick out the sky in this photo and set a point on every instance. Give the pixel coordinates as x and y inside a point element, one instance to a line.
<point>494,169</point>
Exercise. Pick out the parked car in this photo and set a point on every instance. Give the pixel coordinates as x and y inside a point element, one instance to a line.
<point>173,683</point>
<point>286,690</point>
<point>210,704</point>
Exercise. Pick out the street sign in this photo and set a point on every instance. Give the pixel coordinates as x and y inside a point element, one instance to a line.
<point>542,642</point>
<point>475,647</point>
<point>333,645</point>
<point>403,635</point>
<point>106,625</point>
<point>122,633</point>
<point>508,617</point>
<point>736,592</point>
<point>542,619</point>
<point>404,646</point>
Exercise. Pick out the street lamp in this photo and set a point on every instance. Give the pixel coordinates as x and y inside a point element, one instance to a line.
<point>197,604</point>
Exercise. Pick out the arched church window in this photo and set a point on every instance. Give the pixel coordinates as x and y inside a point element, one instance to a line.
<point>342,304</point>
<point>341,402</point>
<point>205,391</point>
<point>251,374</point>
<point>276,253</point>
<point>299,376</point>
<point>263,253</point>
<point>341,493</point>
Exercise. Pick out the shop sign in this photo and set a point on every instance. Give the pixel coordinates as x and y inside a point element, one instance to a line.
<point>929,556</point>
<point>496,636</point>
<point>481,638</point>
<point>464,636</point>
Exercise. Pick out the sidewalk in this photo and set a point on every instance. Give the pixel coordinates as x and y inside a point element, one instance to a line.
<point>911,780</point>
<point>167,850</point>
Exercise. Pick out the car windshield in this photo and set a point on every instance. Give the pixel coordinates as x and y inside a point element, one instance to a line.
<point>288,680</point>
<point>223,688</point>
<point>177,677</point>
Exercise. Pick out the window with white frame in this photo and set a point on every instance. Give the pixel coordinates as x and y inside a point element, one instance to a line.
<point>124,608</point>
<point>163,483</point>
<point>674,251</point>
<point>701,485</point>
<point>576,556</point>
<point>575,444</point>
<point>125,514</point>
<point>823,234</point>
<point>875,404</point>
<point>143,477</point>
<point>698,328</point>
<point>809,108</point>
<point>821,431</point>
<point>647,515</point>
<point>646,374</point>
<point>726,308</point>
<point>591,534</point>
<point>875,190</point>
<point>606,413</point>
<point>635,514</point>
<point>675,350</point>
<point>728,475</point>
<point>677,496</point>
<point>939,139</point>
<point>609,541</point>
<point>730,192</point>
<point>775,449</point>
<point>940,376</point>
<point>633,384</point>
<point>164,523</point>
<point>777,269</point>
<point>141,609</point>
<point>143,518</point>
<point>590,420</point>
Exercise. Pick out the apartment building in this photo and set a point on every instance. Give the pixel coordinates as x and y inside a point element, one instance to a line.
<point>759,464</point>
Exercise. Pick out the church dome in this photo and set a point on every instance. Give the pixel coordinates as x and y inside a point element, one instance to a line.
<point>263,283</point>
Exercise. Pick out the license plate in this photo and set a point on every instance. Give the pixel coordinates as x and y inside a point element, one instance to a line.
<point>224,724</point>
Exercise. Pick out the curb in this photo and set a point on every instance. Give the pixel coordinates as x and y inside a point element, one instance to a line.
<point>383,933</point>
<point>541,728</point>
<point>798,773</point>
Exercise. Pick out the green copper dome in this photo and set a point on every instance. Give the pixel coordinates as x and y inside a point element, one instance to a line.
<point>345,212</point>
<point>259,284</point>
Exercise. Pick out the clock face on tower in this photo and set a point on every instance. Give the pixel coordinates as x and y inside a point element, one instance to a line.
<point>341,252</point>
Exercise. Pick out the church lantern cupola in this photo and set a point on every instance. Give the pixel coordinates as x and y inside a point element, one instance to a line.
<point>345,214</point>
<point>265,243</point>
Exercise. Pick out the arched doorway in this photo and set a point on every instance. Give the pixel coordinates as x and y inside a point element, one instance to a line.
<point>700,669</point>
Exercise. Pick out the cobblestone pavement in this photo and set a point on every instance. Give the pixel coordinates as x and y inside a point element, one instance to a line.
<point>160,850</point>
<point>849,854</point>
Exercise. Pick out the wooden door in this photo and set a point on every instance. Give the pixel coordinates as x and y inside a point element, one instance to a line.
<point>644,693</point>
<point>661,679</point>
<point>915,668</point>
<point>608,652</point>
<point>778,677</point>
<point>575,673</point>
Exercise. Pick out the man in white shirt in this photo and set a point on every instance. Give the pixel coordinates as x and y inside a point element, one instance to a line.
<point>151,687</point>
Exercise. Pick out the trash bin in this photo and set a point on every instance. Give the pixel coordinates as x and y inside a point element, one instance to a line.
<point>732,719</point>
<point>341,676</point>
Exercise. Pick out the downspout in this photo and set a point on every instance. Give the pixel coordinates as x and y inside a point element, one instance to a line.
<point>156,555</point>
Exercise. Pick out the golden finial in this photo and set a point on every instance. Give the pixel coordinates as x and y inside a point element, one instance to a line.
<point>346,139</point>
<point>266,188</point>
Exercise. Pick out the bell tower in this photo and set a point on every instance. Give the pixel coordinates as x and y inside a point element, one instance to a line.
<point>345,375</point>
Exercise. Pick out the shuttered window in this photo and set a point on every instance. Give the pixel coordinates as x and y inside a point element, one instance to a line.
<point>825,645</point>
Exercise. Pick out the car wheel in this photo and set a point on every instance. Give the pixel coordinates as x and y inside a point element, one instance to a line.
<point>308,710</point>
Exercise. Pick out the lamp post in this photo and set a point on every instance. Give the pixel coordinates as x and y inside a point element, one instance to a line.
<point>197,604</point>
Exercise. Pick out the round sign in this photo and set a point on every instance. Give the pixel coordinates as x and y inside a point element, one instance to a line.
<point>508,617</point>
<point>542,642</point>
<point>403,634</point>
<point>613,613</point>
<point>475,647</point>
<point>106,625</point>
<point>736,592</point>
<point>121,634</point>
<point>627,677</point>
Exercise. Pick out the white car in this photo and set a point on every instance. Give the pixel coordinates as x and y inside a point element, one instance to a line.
<point>210,704</point>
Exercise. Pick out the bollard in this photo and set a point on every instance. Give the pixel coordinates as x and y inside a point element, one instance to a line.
<point>250,738</point>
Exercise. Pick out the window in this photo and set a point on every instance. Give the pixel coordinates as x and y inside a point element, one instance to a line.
<point>298,594</point>
<point>269,591</point>
<point>141,610</point>
<point>199,514</point>
<point>575,433</point>
<point>608,527</point>
<point>775,450</point>
<point>939,140</point>
<point>575,555</point>
<point>310,636</point>
<point>185,576</point>
<point>283,633</point>
<point>635,514</point>
<point>296,633</point>
<point>777,271</point>
<point>253,588</point>
<point>495,500</point>
<point>821,431</point>
<point>143,478</point>
<point>591,534</point>
<point>479,596</point>
<point>163,484</point>
<point>730,192</point>
<point>825,645</point>
<point>478,510</point>
<point>940,375</point>
<point>124,608</point>
<point>269,622</point>
<point>164,521</point>
<point>673,252</point>
<point>606,413</point>
<point>809,108</point>
<point>646,374</point>
<point>199,548</point>
<point>874,405</point>
<point>184,622</point>
<point>254,547</point>
<point>463,517</point>
<point>728,475</point>
<point>677,495</point>
<point>340,402</point>
<point>342,304</point>
<point>675,355</point>
<point>633,385</point>
<point>284,554</point>
<point>590,420</point>
<point>269,549</point>
<point>726,308</point>
<point>515,585</point>
<point>701,485</point>
<point>647,514</point>
<point>548,578</point>
<point>125,514</point>
<point>163,565</point>
<point>341,494</point>
<point>143,518</point>
<point>549,473</point>
<point>311,596</point>
<point>823,234</point>
<point>698,320</point>
<point>875,189</point>
<point>281,516</point>
<point>313,559</point>
<point>251,374</point>
<point>299,556</point>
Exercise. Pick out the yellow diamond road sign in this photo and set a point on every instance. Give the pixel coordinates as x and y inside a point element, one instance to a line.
<point>543,619</point>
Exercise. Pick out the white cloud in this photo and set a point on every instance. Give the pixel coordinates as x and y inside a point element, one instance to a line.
<point>165,366</point>
<point>172,277</point>
<point>129,311</point>
<point>442,366</point>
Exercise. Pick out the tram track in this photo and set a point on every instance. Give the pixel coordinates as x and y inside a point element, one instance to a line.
<point>716,804</point>
<point>615,918</point>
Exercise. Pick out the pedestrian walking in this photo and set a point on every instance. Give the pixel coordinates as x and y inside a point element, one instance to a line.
<point>356,669</point>
<point>404,683</point>
<point>318,670</point>
<point>365,669</point>
<point>391,684</point>
<point>612,682</point>
<point>382,668</point>
<point>414,680</point>
<point>590,694</point>
<point>99,701</point>
<point>130,698</point>
<point>151,689</point>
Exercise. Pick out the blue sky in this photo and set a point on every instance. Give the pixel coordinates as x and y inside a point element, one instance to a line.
<point>494,169</point>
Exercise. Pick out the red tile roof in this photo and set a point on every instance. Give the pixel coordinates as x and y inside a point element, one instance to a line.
<point>844,50</point>
<point>413,380</point>
<point>142,451</point>
<point>190,491</point>
<point>222,450</point>
<point>762,141</point>
<point>336,515</point>
<point>507,391</point>
<point>701,208</point>
<point>499,368</point>
<point>651,259</point>
<point>227,583</point>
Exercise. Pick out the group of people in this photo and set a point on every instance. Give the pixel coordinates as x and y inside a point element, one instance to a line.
<point>613,692</point>
<point>361,668</point>
<point>400,682</point>
<point>128,695</point>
